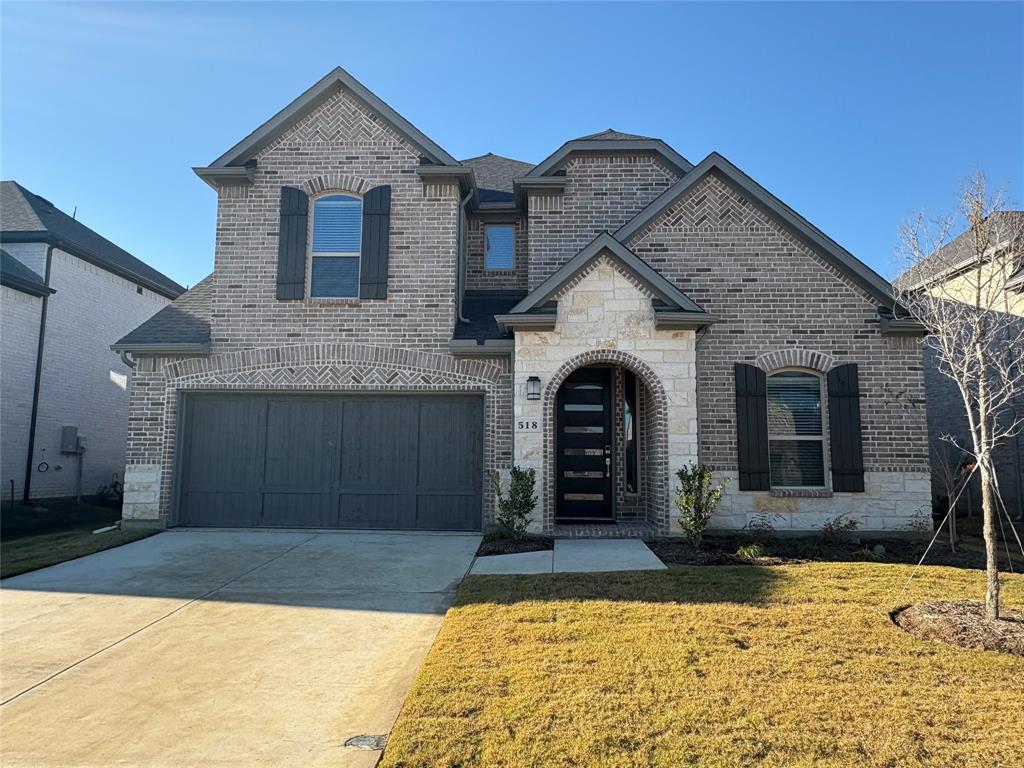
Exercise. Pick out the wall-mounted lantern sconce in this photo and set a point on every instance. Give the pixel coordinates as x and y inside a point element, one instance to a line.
<point>533,388</point>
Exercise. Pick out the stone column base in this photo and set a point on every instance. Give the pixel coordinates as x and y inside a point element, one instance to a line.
<point>141,507</point>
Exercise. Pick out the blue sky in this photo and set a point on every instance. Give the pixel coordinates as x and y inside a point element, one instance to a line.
<point>854,114</point>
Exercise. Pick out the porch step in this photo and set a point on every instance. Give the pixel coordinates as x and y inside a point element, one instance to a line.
<point>637,530</point>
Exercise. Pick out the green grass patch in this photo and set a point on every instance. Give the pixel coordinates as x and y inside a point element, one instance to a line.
<point>55,530</point>
<point>796,665</point>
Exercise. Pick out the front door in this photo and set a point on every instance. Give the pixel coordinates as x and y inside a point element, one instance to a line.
<point>583,486</point>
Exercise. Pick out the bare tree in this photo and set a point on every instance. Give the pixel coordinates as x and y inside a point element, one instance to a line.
<point>958,291</point>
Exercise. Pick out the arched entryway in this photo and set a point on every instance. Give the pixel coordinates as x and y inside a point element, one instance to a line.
<point>606,443</point>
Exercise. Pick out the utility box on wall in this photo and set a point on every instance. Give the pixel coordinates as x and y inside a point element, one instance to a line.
<point>69,440</point>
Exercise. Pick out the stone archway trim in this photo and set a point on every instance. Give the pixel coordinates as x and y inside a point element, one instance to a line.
<point>795,357</point>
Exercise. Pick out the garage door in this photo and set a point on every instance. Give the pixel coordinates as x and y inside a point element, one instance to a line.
<point>410,462</point>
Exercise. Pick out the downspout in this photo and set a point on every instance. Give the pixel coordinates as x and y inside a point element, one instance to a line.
<point>35,386</point>
<point>460,273</point>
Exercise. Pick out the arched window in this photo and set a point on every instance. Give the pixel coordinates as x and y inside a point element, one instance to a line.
<point>796,430</point>
<point>337,236</point>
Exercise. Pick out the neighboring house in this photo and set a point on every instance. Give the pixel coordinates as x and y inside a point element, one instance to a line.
<point>952,272</point>
<point>386,326</point>
<point>67,294</point>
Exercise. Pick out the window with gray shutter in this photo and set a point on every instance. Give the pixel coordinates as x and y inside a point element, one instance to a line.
<point>796,437</point>
<point>337,237</point>
<point>373,277</point>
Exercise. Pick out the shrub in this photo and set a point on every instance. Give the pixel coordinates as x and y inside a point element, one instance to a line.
<point>761,528</point>
<point>515,511</point>
<point>696,499</point>
<point>839,530</point>
<point>750,552</point>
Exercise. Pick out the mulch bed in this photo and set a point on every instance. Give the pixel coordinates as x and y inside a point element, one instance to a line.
<point>503,546</point>
<point>721,550</point>
<point>963,623</point>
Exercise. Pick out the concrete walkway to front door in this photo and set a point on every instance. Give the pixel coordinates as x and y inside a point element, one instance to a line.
<point>221,648</point>
<point>575,556</point>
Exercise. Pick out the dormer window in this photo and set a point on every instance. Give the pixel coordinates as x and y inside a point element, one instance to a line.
<point>337,235</point>
<point>500,246</point>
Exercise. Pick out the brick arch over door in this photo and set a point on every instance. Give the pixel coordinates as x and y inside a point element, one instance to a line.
<point>332,368</point>
<point>658,410</point>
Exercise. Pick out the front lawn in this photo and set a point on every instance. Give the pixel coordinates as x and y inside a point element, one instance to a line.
<point>793,665</point>
<point>31,539</point>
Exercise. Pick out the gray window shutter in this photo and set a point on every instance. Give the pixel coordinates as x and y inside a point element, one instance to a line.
<point>752,428</point>
<point>844,429</point>
<point>291,244</point>
<point>373,267</point>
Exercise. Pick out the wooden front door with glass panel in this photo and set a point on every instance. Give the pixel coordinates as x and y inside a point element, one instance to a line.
<point>584,440</point>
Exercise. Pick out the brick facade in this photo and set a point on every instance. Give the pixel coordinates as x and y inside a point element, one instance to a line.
<point>778,304</point>
<point>602,193</point>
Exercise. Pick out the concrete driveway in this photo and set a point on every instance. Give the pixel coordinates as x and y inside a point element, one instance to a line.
<point>220,648</point>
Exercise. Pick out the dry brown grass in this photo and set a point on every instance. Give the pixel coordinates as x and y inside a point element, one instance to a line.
<point>728,666</point>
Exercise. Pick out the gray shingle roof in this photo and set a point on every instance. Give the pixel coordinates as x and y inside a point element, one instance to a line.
<point>16,275</point>
<point>1007,224</point>
<point>612,135</point>
<point>494,175</point>
<point>184,324</point>
<point>24,214</point>
<point>479,308</point>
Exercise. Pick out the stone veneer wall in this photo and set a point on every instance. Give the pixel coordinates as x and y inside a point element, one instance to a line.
<point>157,384</point>
<point>602,192</point>
<point>782,304</point>
<point>605,317</point>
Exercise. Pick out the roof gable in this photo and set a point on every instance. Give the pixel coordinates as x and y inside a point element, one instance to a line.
<point>29,218</point>
<point>848,264</point>
<point>605,244</point>
<point>313,97</point>
<point>610,142</point>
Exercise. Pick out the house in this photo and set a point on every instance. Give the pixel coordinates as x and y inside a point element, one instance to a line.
<point>67,294</point>
<point>954,272</point>
<point>386,326</point>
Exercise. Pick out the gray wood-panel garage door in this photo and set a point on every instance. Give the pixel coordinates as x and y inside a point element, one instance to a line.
<point>411,462</point>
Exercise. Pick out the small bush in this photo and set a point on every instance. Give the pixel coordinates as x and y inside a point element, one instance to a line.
<point>839,530</point>
<point>760,529</point>
<point>696,500</point>
<point>869,554</point>
<point>515,511</point>
<point>750,552</point>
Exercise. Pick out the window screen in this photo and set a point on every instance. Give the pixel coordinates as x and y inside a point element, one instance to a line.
<point>796,445</point>
<point>501,241</point>
<point>337,232</point>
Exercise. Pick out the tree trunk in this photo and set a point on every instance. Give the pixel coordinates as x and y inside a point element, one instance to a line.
<point>952,526</point>
<point>989,532</point>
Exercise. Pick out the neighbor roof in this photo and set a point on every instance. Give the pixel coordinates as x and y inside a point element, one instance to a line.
<point>958,253</point>
<point>335,80</point>
<point>16,275</point>
<point>838,256</point>
<point>182,327</point>
<point>25,217</point>
<point>494,175</point>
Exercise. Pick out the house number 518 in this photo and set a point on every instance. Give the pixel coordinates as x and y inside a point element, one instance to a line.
<point>527,425</point>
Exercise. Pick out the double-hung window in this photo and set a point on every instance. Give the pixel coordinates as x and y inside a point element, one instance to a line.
<point>796,435</point>
<point>337,235</point>
<point>500,246</point>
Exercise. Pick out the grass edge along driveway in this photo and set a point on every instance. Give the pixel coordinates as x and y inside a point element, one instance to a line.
<point>712,666</point>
